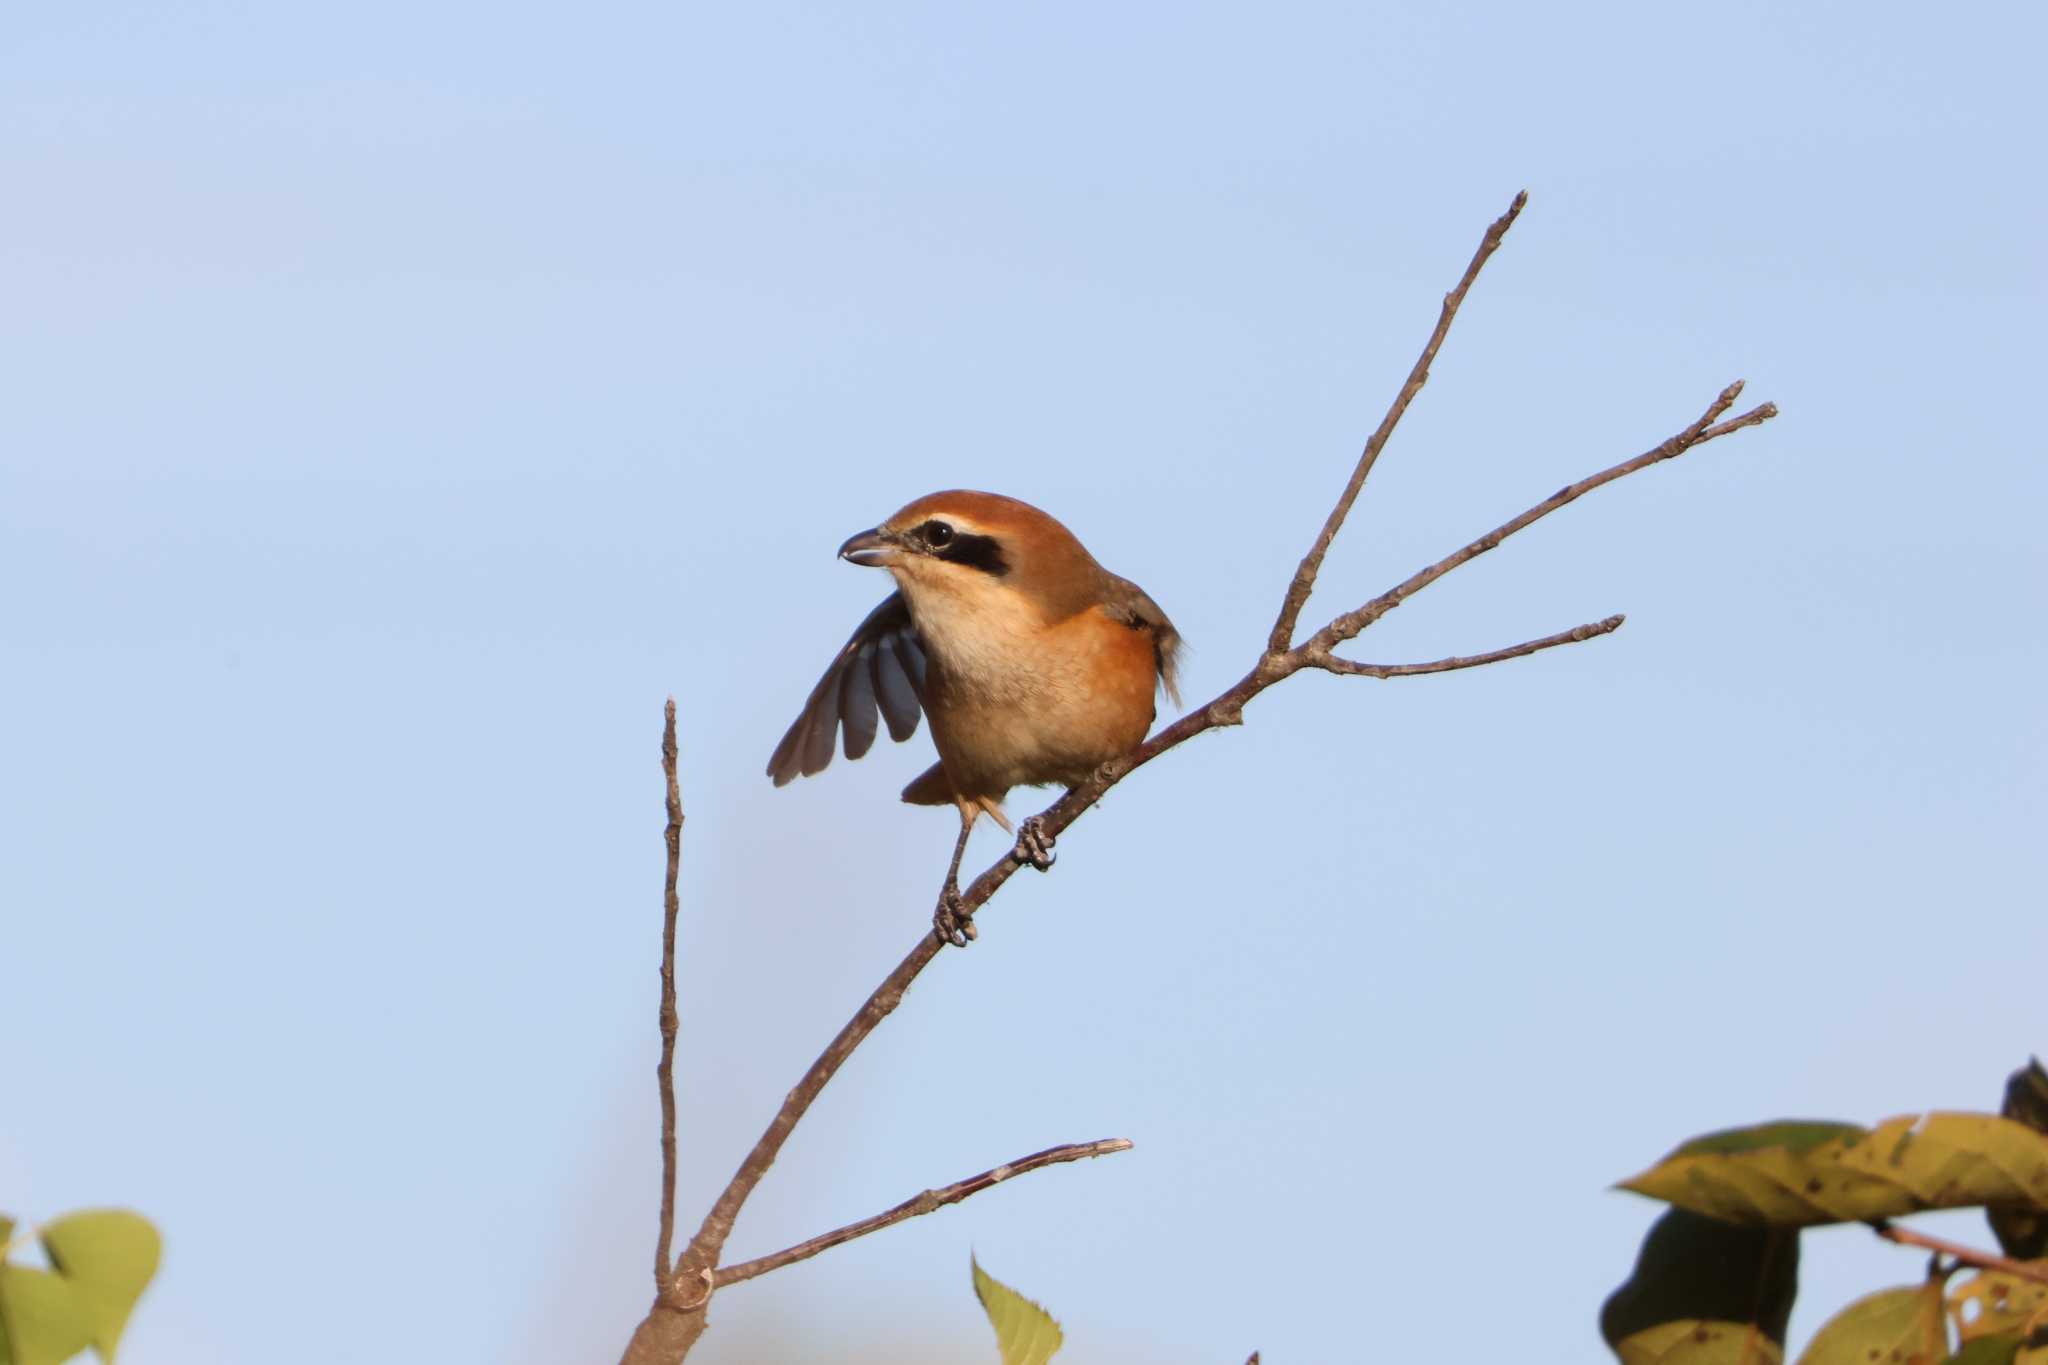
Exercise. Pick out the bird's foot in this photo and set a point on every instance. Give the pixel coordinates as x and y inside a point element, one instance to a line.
<point>952,921</point>
<point>1034,844</point>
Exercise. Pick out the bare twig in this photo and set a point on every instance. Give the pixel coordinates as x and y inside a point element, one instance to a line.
<point>1698,433</point>
<point>928,1202</point>
<point>1576,635</point>
<point>1983,1260</point>
<point>1304,582</point>
<point>665,1070</point>
<point>677,1319</point>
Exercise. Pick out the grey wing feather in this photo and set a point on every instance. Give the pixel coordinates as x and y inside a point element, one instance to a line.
<point>857,701</point>
<point>882,663</point>
<point>894,691</point>
<point>1125,601</point>
<point>903,683</point>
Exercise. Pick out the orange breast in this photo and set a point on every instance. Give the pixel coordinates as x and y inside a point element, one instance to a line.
<point>1053,706</point>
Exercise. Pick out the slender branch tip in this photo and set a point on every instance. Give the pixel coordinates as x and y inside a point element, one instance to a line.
<point>923,1202</point>
<point>1320,656</point>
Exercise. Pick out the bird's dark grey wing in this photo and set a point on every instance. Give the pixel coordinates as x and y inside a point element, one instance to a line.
<point>881,666</point>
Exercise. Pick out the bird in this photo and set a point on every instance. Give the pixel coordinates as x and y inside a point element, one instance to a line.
<point>1034,663</point>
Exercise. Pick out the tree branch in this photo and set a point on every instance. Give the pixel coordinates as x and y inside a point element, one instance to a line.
<point>2033,1271</point>
<point>1576,635</point>
<point>930,1201</point>
<point>665,1070</point>
<point>678,1318</point>
<point>1304,582</point>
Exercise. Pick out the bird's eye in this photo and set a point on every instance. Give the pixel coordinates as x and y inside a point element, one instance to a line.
<point>937,534</point>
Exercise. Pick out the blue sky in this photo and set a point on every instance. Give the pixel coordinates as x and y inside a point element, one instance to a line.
<point>402,402</point>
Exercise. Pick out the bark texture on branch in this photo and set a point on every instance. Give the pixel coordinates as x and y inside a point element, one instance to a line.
<point>665,1069</point>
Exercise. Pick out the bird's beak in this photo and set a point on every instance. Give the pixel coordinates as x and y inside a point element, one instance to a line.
<point>873,548</point>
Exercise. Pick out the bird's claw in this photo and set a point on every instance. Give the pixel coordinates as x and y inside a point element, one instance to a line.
<point>1034,844</point>
<point>952,921</point>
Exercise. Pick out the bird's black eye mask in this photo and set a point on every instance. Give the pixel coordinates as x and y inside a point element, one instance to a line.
<point>942,541</point>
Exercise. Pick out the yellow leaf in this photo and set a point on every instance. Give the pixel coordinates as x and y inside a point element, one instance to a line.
<point>1897,1326</point>
<point>1904,1165</point>
<point>1026,1333</point>
<point>1990,1304</point>
<point>41,1316</point>
<point>109,1256</point>
<point>1699,1343</point>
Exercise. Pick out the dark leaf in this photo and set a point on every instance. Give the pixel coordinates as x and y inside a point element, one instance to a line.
<point>2023,1231</point>
<point>1694,1269</point>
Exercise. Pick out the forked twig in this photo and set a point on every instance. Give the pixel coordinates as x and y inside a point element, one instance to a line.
<point>1304,581</point>
<point>1700,432</point>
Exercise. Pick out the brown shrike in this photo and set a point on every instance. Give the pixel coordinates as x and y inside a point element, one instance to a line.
<point>1035,664</point>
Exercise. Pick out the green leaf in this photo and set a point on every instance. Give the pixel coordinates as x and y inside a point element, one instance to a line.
<point>1699,1343</point>
<point>1695,1270</point>
<point>1987,1351</point>
<point>42,1317</point>
<point>1778,1175</point>
<point>109,1257</point>
<point>1794,1135</point>
<point>1897,1326</point>
<point>1026,1333</point>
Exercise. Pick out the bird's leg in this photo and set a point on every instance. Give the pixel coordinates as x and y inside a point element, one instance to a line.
<point>950,920</point>
<point>1034,844</point>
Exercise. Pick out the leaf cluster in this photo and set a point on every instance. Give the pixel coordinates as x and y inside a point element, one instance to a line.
<point>1718,1272</point>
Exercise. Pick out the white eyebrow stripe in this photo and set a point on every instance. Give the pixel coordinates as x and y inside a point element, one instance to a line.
<point>966,526</point>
